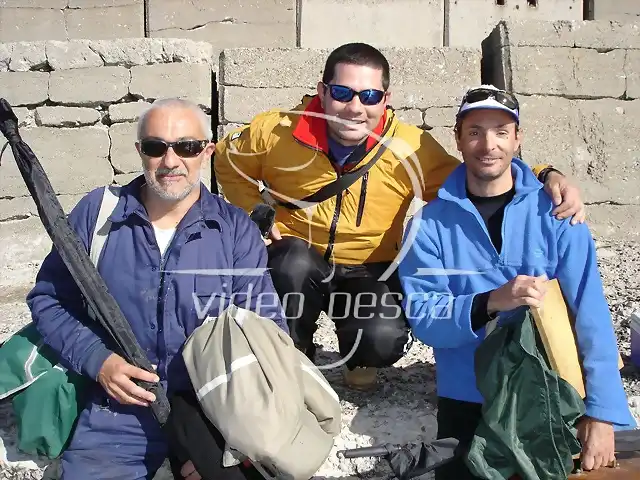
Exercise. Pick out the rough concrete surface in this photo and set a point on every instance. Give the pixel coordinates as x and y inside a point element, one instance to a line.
<point>404,22</point>
<point>267,23</point>
<point>470,21</point>
<point>402,409</point>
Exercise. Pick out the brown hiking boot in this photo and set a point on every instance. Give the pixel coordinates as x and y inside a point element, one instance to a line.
<point>361,378</point>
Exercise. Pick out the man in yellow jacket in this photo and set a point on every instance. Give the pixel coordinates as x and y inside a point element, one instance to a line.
<point>343,171</point>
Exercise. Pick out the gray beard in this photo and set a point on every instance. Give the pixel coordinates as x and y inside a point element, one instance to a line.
<point>157,189</point>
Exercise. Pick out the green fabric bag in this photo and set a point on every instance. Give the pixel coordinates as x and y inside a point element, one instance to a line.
<point>47,410</point>
<point>529,413</point>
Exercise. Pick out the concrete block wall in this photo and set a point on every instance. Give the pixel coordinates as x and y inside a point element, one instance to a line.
<point>34,20</point>
<point>426,83</point>
<point>78,103</point>
<point>579,89</point>
<point>283,23</point>
<point>470,21</point>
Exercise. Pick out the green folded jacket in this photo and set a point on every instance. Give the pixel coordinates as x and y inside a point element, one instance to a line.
<point>529,412</point>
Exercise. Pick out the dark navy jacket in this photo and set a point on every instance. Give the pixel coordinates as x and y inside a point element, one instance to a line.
<point>211,261</point>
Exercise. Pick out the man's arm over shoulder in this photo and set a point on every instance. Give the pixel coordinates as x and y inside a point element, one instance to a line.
<point>252,285</point>
<point>238,161</point>
<point>57,306</point>
<point>581,284</point>
<point>438,316</point>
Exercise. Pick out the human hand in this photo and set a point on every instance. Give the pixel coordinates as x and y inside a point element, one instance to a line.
<point>566,197</point>
<point>522,290</point>
<point>188,471</point>
<point>115,377</point>
<point>274,235</point>
<point>598,443</point>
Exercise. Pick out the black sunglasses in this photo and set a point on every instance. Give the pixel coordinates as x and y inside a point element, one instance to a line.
<point>154,147</point>
<point>482,94</point>
<point>343,94</point>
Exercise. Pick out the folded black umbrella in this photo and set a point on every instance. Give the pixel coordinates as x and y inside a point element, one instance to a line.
<point>102,305</point>
<point>416,459</point>
<point>411,460</point>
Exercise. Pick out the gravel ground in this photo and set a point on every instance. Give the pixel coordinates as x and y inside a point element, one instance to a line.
<point>402,409</point>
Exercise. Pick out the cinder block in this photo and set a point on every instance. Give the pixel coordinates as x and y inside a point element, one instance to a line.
<point>16,208</point>
<point>27,56</point>
<point>237,109</point>
<point>89,86</point>
<point>632,71</point>
<point>440,116</point>
<point>127,112</point>
<point>583,73</point>
<point>412,116</point>
<point>272,67</point>
<point>72,54</point>
<point>105,23</point>
<point>620,10</point>
<point>75,159</point>
<point>31,24</point>
<point>130,51</point>
<point>605,35</point>
<point>230,34</point>
<point>226,24</point>
<point>58,4</point>
<point>471,21</point>
<point>103,3</point>
<point>66,116</point>
<point>6,50</point>
<point>422,78</point>
<point>19,208</point>
<point>25,245</point>
<point>24,88</point>
<point>588,140</point>
<point>192,81</point>
<point>124,178</point>
<point>444,136</point>
<point>600,35</point>
<point>26,117</point>
<point>123,154</point>
<point>391,23</point>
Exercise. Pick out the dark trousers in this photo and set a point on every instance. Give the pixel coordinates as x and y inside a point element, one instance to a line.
<point>353,298</point>
<point>457,419</point>
<point>193,437</point>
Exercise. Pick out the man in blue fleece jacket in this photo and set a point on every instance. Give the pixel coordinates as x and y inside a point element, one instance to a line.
<point>487,245</point>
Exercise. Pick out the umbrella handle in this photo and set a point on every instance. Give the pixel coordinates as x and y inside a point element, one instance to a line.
<point>375,451</point>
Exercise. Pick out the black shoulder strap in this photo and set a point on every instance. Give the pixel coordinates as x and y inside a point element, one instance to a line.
<point>337,186</point>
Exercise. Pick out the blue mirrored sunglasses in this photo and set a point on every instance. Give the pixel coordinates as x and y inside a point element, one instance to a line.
<point>344,94</point>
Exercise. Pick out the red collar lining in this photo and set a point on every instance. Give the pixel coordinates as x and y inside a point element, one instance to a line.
<point>311,129</point>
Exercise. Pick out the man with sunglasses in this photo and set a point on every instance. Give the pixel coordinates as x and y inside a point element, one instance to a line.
<point>165,225</point>
<point>343,170</point>
<point>492,218</point>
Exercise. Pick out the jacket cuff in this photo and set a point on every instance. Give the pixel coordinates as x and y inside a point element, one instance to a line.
<point>93,362</point>
<point>621,417</point>
<point>479,315</point>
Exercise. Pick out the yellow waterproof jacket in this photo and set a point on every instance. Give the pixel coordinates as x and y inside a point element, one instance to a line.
<point>288,151</point>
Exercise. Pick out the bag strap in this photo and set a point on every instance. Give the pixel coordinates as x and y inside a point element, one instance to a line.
<point>110,197</point>
<point>337,186</point>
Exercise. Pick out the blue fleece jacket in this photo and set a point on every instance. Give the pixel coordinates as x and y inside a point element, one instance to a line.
<point>451,259</point>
